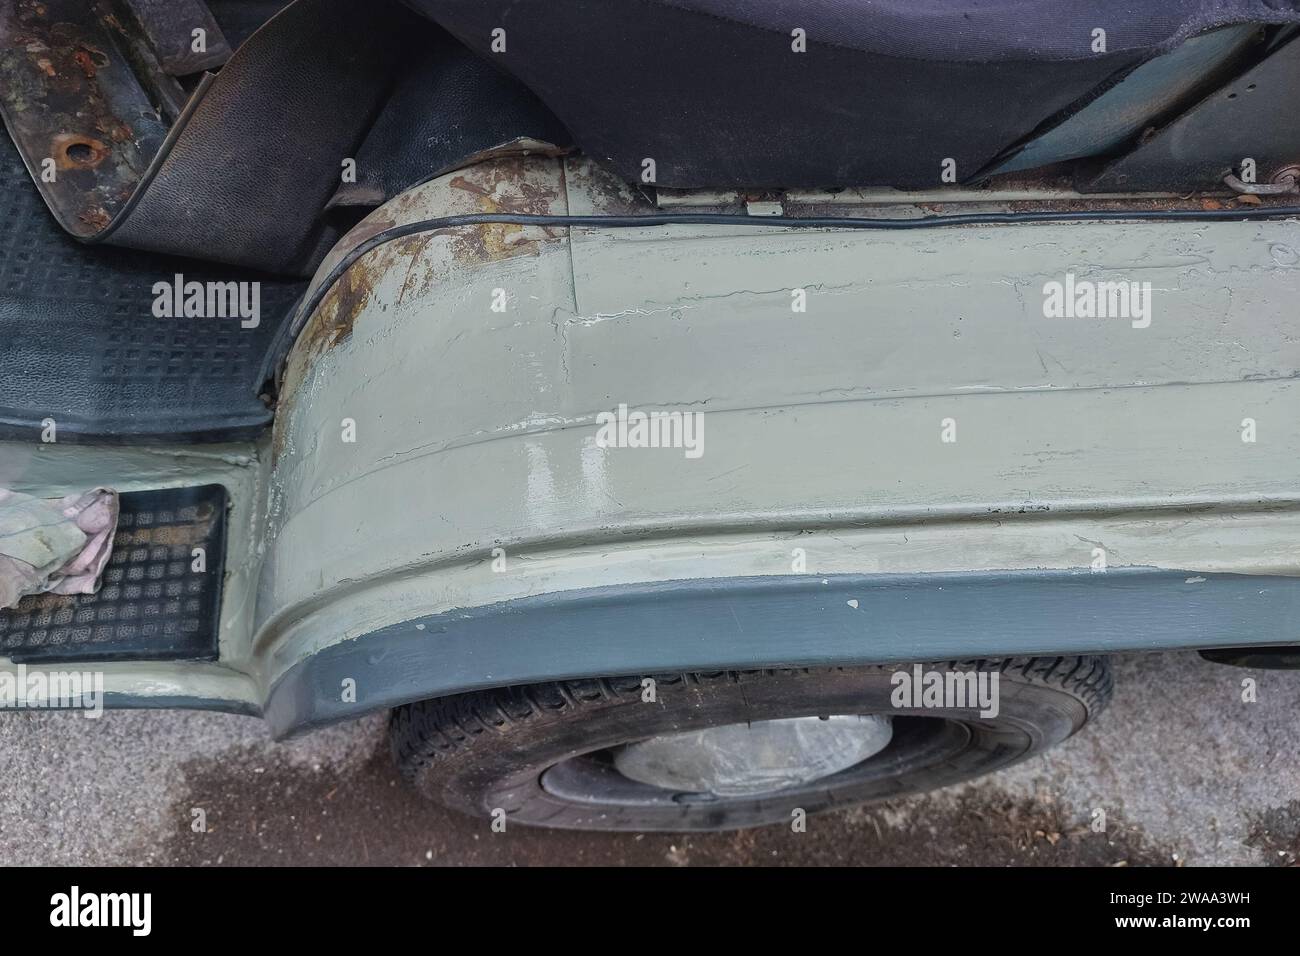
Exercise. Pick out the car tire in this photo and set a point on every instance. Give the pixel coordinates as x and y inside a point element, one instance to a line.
<point>535,754</point>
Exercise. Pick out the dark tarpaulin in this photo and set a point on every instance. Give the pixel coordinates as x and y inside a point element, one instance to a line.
<point>712,91</point>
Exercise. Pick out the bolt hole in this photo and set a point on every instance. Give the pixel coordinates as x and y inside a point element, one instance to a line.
<point>79,153</point>
<point>1251,88</point>
<point>1232,96</point>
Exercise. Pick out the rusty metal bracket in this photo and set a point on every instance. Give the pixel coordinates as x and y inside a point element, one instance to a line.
<point>119,160</point>
<point>85,124</point>
<point>89,92</point>
<point>1284,183</point>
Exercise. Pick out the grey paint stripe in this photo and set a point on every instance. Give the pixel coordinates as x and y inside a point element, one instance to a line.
<point>787,620</point>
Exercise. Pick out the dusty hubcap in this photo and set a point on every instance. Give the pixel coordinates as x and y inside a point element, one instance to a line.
<point>738,760</point>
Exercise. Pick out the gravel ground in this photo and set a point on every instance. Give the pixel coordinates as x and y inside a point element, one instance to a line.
<point>1186,772</point>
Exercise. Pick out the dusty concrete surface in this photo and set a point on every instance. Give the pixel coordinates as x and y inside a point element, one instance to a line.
<point>1185,771</point>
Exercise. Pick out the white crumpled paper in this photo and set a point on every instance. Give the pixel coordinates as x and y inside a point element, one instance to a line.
<point>54,545</point>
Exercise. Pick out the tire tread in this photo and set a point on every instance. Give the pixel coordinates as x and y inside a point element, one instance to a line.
<point>427,731</point>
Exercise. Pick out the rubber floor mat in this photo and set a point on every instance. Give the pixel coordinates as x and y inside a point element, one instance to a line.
<point>80,342</point>
<point>158,600</point>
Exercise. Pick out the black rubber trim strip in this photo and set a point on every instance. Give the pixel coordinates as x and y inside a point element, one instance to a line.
<point>746,623</point>
<point>317,295</point>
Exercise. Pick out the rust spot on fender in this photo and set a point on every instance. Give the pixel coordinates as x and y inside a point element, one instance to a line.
<point>504,185</point>
<point>608,195</point>
<point>333,320</point>
<point>507,185</point>
<point>327,327</point>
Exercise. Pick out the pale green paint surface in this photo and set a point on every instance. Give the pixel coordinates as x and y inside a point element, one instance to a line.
<point>475,429</point>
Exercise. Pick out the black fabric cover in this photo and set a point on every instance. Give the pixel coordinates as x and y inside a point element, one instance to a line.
<point>887,90</point>
<point>248,170</point>
<point>240,19</point>
<point>449,104</point>
<point>982,31</point>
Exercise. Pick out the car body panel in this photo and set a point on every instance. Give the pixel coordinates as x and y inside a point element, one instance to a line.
<point>434,512</point>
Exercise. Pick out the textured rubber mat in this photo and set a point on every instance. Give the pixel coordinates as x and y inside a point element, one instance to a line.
<point>81,344</point>
<point>152,604</point>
